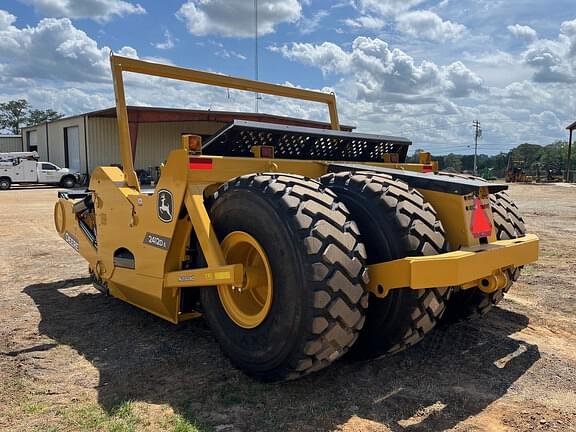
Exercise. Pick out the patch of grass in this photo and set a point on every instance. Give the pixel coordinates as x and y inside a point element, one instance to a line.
<point>529,270</point>
<point>86,417</point>
<point>177,423</point>
<point>12,386</point>
<point>183,420</point>
<point>46,429</point>
<point>33,407</point>
<point>122,418</point>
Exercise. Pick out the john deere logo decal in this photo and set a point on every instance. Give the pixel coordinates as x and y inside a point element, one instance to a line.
<point>165,205</point>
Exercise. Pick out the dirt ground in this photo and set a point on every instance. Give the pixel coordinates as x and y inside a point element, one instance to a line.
<point>73,359</point>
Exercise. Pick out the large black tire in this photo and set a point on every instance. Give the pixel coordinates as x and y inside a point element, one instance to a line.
<point>395,222</point>
<point>472,303</point>
<point>318,268</point>
<point>68,182</point>
<point>5,183</point>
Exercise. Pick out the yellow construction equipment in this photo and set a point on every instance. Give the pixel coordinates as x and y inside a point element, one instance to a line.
<point>296,244</point>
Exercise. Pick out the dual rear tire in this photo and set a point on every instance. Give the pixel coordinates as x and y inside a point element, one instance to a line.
<point>395,222</point>
<point>303,303</point>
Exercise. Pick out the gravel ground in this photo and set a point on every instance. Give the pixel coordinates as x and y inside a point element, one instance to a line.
<point>72,359</point>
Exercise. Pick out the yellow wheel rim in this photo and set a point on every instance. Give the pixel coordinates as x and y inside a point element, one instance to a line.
<point>248,305</point>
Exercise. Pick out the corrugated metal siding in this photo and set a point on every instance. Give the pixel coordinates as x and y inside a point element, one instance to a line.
<point>155,140</point>
<point>40,140</point>
<point>53,150</point>
<point>10,144</point>
<point>102,142</point>
<point>56,140</point>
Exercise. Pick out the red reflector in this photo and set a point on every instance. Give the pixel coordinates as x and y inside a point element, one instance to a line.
<point>480,224</point>
<point>200,164</point>
<point>267,152</point>
<point>427,169</point>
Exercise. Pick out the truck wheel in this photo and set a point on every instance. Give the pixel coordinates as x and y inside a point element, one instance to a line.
<point>394,222</point>
<point>302,302</point>
<point>68,182</point>
<point>471,303</point>
<point>5,183</point>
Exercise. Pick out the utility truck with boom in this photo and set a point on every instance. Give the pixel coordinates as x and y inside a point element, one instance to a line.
<point>297,245</point>
<point>24,167</point>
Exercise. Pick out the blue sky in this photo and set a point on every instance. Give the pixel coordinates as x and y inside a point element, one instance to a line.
<point>417,68</point>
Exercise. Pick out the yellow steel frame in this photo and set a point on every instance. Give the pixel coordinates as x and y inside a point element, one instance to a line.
<point>121,64</point>
<point>468,266</point>
<point>125,216</point>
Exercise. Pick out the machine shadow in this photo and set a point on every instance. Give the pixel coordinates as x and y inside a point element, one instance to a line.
<point>452,375</point>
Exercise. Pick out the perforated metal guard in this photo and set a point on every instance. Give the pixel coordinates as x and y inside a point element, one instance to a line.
<point>291,142</point>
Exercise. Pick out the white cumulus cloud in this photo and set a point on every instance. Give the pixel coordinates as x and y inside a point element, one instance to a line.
<point>6,20</point>
<point>167,43</point>
<point>554,60</point>
<point>428,25</point>
<point>387,7</point>
<point>377,71</point>
<point>98,10</point>
<point>367,22</point>
<point>524,32</point>
<point>235,18</point>
<point>53,49</point>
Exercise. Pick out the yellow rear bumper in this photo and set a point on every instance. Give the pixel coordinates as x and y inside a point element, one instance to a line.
<point>458,268</point>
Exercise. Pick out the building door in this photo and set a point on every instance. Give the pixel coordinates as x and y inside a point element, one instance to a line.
<point>72,148</point>
<point>32,139</point>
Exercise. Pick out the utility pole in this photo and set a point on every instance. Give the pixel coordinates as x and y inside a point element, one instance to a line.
<point>477,134</point>
<point>256,96</point>
<point>568,164</point>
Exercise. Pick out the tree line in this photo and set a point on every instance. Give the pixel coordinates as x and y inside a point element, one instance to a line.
<point>532,158</point>
<point>16,114</point>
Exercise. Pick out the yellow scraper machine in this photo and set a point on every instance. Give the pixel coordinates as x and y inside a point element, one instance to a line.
<point>297,245</point>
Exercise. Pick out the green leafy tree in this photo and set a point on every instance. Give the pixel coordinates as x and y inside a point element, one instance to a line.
<point>13,114</point>
<point>527,154</point>
<point>452,162</point>
<point>554,157</point>
<point>40,116</point>
<point>17,113</point>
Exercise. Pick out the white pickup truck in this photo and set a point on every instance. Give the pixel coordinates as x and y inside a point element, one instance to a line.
<point>24,167</point>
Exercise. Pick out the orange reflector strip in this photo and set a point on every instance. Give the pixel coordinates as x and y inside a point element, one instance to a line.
<point>200,164</point>
<point>427,169</point>
<point>480,224</point>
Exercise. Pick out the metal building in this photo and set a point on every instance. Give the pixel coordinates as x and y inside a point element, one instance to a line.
<point>88,140</point>
<point>11,143</point>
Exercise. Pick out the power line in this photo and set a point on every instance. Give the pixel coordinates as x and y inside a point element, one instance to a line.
<point>457,125</point>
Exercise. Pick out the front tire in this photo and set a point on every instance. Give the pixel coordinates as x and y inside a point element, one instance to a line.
<point>5,183</point>
<point>317,276</point>
<point>68,182</point>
